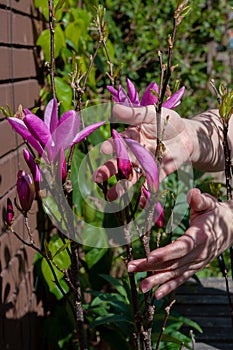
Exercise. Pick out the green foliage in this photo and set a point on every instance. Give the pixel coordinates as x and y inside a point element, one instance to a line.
<point>136,31</point>
<point>57,252</point>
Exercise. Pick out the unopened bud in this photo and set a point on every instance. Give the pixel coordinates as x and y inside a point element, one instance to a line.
<point>9,213</point>
<point>25,190</point>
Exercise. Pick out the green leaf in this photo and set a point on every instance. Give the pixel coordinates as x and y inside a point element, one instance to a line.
<point>117,284</point>
<point>65,340</point>
<point>5,112</point>
<point>73,32</point>
<point>111,318</point>
<point>185,11</point>
<point>62,260</point>
<point>49,278</point>
<point>64,247</point>
<point>64,93</point>
<point>59,3</point>
<point>44,42</point>
<point>43,5</point>
<point>186,321</point>
<point>94,255</point>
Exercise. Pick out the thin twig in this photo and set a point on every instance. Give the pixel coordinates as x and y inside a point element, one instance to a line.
<point>167,313</point>
<point>52,32</point>
<point>38,250</point>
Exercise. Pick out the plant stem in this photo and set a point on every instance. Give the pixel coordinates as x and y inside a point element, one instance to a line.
<point>74,277</point>
<point>227,154</point>
<point>167,313</point>
<point>38,250</point>
<point>129,257</point>
<point>52,32</point>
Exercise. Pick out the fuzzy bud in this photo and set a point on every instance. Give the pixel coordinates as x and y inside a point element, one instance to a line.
<point>25,190</point>
<point>9,213</point>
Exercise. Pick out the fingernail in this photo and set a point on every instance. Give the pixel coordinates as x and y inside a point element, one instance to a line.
<point>131,268</point>
<point>97,177</point>
<point>158,295</point>
<point>144,287</point>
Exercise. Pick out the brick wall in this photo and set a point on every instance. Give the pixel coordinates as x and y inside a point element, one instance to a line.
<point>20,309</point>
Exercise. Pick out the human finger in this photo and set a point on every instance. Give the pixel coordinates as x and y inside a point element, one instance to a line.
<point>200,201</point>
<point>105,171</point>
<point>134,116</point>
<point>122,186</point>
<point>173,284</point>
<point>159,278</point>
<point>162,257</point>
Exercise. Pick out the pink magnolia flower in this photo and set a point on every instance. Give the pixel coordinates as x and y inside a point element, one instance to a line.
<point>148,98</point>
<point>148,164</point>
<point>48,137</point>
<point>143,156</point>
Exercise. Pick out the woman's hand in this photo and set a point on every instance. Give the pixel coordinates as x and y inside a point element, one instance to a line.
<point>142,123</point>
<point>209,234</point>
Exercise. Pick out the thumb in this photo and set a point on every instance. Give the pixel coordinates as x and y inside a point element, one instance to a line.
<point>200,201</point>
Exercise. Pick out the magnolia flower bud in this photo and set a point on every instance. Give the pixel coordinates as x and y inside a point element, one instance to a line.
<point>9,213</point>
<point>159,215</point>
<point>33,167</point>
<point>25,190</point>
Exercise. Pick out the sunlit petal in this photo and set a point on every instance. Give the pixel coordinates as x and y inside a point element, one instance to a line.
<point>51,115</point>
<point>133,94</point>
<point>147,162</point>
<point>123,161</point>
<point>86,131</point>
<point>174,100</point>
<point>148,98</point>
<point>19,126</point>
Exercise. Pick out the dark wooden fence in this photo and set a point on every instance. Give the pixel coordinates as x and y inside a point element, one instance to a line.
<point>19,84</point>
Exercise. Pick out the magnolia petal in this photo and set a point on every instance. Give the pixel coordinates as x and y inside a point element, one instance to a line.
<point>19,126</point>
<point>122,154</point>
<point>65,132</point>
<point>37,128</point>
<point>86,131</point>
<point>123,97</point>
<point>63,164</point>
<point>60,165</point>
<point>148,98</point>
<point>147,162</point>
<point>174,100</point>
<point>133,94</point>
<point>113,92</point>
<point>27,111</point>
<point>51,115</point>
<point>159,215</point>
<point>33,167</point>
<point>67,115</point>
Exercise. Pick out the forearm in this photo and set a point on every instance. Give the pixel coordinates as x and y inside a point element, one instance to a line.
<point>205,131</point>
